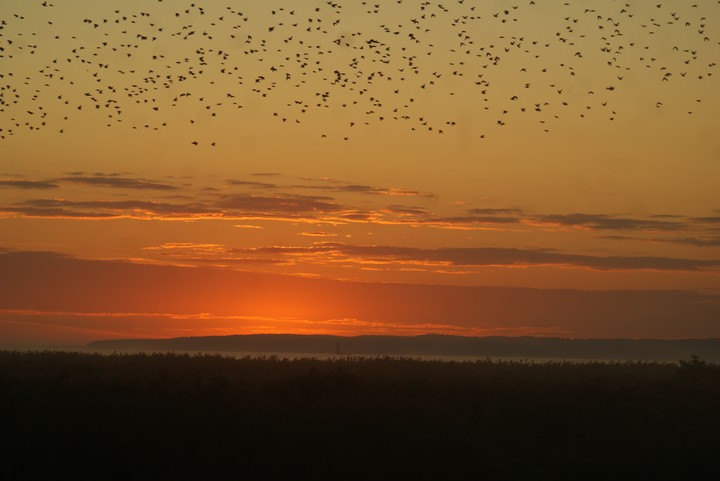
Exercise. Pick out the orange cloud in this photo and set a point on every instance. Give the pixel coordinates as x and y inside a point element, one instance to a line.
<point>216,203</point>
<point>482,256</point>
<point>27,184</point>
<point>117,181</point>
<point>52,285</point>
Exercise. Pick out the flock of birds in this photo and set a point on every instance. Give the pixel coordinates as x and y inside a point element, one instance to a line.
<point>339,65</point>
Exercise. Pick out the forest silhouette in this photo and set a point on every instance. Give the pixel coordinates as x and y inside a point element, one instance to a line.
<point>159,416</point>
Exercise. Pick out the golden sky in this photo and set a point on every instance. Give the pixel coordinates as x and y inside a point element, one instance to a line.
<point>334,148</point>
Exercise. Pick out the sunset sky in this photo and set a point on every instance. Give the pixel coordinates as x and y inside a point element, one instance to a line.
<point>170,168</point>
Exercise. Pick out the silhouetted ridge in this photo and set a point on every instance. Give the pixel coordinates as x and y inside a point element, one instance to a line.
<point>433,345</point>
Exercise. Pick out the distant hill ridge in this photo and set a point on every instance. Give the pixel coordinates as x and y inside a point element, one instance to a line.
<point>434,345</point>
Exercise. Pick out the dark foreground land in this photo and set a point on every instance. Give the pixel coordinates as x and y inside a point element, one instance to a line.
<point>162,416</point>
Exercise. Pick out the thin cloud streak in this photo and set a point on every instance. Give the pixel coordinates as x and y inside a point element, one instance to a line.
<point>118,182</point>
<point>607,222</point>
<point>485,256</point>
<point>289,204</point>
<point>332,185</point>
<point>60,208</point>
<point>53,283</point>
<point>28,184</point>
<point>322,208</point>
<point>368,190</point>
<point>690,241</point>
<point>248,183</point>
<point>75,327</point>
<point>491,211</point>
<point>339,186</point>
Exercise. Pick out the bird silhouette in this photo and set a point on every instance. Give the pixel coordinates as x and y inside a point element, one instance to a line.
<point>161,65</point>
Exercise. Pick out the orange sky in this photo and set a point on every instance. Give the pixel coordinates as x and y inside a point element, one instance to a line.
<point>569,148</point>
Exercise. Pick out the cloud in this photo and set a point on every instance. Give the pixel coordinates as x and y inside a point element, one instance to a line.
<point>368,189</point>
<point>359,215</point>
<point>231,207</point>
<point>418,216</point>
<point>53,212</point>
<point>117,182</point>
<point>228,261</point>
<point>108,292</point>
<point>697,242</point>
<point>338,186</point>
<point>29,328</point>
<point>607,222</point>
<point>294,207</point>
<point>27,184</point>
<point>208,254</point>
<point>691,241</point>
<point>285,205</point>
<point>357,188</point>
<point>493,212</point>
<point>408,211</point>
<point>104,209</point>
<point>342,208</point>
<point>713,221</point>
<point>487,256</point>
<point>506,216</point>
<point>259,185</point>
<point>318,234</point>
<point>470,220</point>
